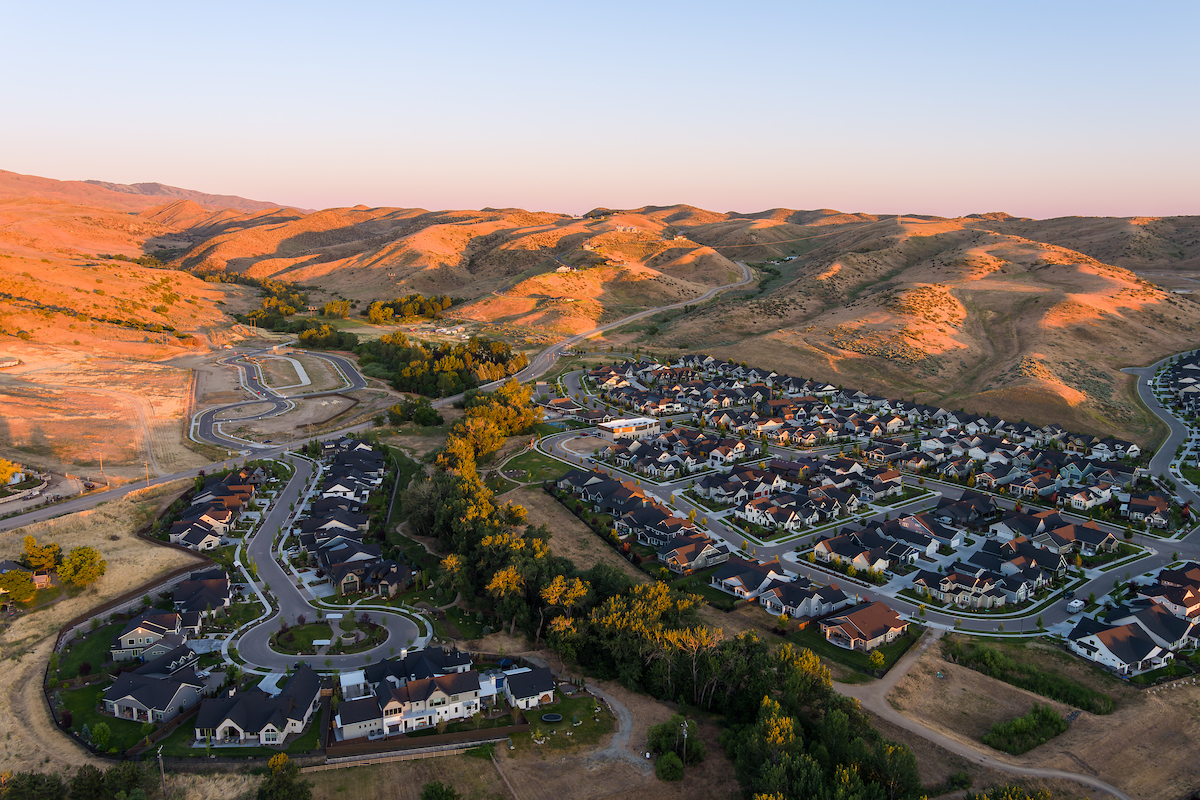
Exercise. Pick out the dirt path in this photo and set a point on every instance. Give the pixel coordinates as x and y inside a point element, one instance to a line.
<point>618,748</point>
<point>873,696</point>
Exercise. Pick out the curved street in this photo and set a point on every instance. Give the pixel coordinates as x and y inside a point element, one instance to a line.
<point>291,601</point>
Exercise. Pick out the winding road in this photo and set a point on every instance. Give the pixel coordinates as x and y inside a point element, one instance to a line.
<point>291,601</point>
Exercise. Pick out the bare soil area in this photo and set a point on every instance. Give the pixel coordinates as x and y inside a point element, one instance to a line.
<point>244,411</point>
<point>315,412</point>
<point>278,372</point>
<point>1146,728</point>
<point>31,740</point>
<point>935,764</point>
<point>472,778</point>
<point>323,376</point>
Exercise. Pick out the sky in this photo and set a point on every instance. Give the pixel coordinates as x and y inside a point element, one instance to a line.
<point>1039,109</point>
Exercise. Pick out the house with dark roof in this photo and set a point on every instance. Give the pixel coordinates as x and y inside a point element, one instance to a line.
<point>205,593</point>
<point>802,598</point>
<point>1126,649</point>
<point>864,628</point>
<point>526,690</point>
<point>145,630</point>
<point>256,717</point>
<point>147,698</point>
<point>745,579</point>
<point>411,706</point>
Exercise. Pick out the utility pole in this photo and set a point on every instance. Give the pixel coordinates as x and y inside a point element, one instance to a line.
<point>147,463</point>
<point>162,772</point>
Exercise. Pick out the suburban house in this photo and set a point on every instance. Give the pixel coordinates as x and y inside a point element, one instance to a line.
<point>1126,649</point>
<point>746,579</point>
<point>802,599</point>
<point>145,698</point>
<point>411,706</point>
<point>255,716</point>
<point>686,554</point>
<point>203,593</point>
<point>864,628</point>
<point>144,631</point>
<point>526,690</point>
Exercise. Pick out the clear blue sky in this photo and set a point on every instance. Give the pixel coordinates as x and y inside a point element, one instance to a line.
<point>1035,108</point>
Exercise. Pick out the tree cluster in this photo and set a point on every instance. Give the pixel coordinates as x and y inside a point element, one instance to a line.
<point>438,371</point>
<point>126,780</point>
<point>410,306</point>
<point>420,411</point>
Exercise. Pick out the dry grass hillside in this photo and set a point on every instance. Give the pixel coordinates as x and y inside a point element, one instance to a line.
<point>955,312</point>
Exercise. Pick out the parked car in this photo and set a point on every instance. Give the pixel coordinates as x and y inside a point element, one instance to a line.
<point>1069,593</point>
<point>1075,605</point>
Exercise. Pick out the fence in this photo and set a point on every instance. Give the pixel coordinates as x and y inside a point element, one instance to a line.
<point>381,752</point>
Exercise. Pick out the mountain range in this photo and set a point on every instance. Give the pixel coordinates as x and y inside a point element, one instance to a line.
<point>1018,317</point>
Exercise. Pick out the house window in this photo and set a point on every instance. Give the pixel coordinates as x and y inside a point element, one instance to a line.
<point>270,736</point>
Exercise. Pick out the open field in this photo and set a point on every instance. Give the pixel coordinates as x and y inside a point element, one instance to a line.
<point>61,413</point>
<point>323,376</point>
<point>1145,729</point>
<point>472,777</point>
<point>278,372</point>
<point>26,729</point>
<point>315,411</point>
<point>936,764</point>
<point>572,539</point>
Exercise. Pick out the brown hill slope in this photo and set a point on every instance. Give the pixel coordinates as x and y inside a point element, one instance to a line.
<point>124,197</point>
<point>953,312</point>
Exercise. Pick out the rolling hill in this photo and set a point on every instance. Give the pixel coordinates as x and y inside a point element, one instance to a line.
<point>1028,318</point>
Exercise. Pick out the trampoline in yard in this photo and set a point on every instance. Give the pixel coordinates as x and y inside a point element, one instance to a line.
<point>552,717</point>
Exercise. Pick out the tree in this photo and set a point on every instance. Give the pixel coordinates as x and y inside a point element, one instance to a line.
<point>876,660</point>
<point>284,781</point>
<point>127,777</point>
<point>87,783</point>
<point>669,767</point>
<point>100,735</point>
<point>7,470</point>
<point>436,790</point>
<point>82,566</point>
<point>19,584</point>
<point>41,557</point>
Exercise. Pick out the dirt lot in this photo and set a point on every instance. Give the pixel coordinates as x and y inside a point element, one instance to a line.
<point>936,764</point>
<point>77,413</point>
<point>244,411</point>
<point>278,372</point>
<point>1146,727</point>
<point>473,778</point>
<point>28,733</point>
<point>322,374</point>
<point>316,411</point>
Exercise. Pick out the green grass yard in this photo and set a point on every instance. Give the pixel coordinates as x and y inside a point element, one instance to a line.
<point>82,704</point>
<point>537,467</point>
<point>92,648</point>
<point>812,638</point>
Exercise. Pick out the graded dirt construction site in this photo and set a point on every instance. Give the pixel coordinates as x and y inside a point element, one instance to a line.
<point>65,411</point>
<point>1137,748</point>
<point>281,374</point>
<point>30,739</point>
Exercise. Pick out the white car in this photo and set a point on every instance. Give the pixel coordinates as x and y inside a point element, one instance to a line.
<point>1075,605</point>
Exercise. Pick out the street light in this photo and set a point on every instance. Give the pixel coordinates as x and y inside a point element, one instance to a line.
<point>683,760</point>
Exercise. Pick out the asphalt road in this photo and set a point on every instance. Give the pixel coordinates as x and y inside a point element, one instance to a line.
<point>250,376</point>
<point>544,360</point>
<point>291,601</point>
<point>1160,462</point>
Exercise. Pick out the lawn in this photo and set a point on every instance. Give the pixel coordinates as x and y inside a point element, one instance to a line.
<point>467,725</point>
<point>178,744</point>
<point>696,579</point>
<point>714,596</point>
<point>536,466</point>
<point>82,704</point>
<point>298,639</point>
<point>812,638</point>
<point>93,649</point>
<point>556,733</point>
<point>465,622</point>
<point>1169,671</point>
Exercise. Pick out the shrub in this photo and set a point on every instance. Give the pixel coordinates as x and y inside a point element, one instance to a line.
<point>67,718</point>
<point>669,767</point>
<point>85,668</point>
<point>1025,733</point>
